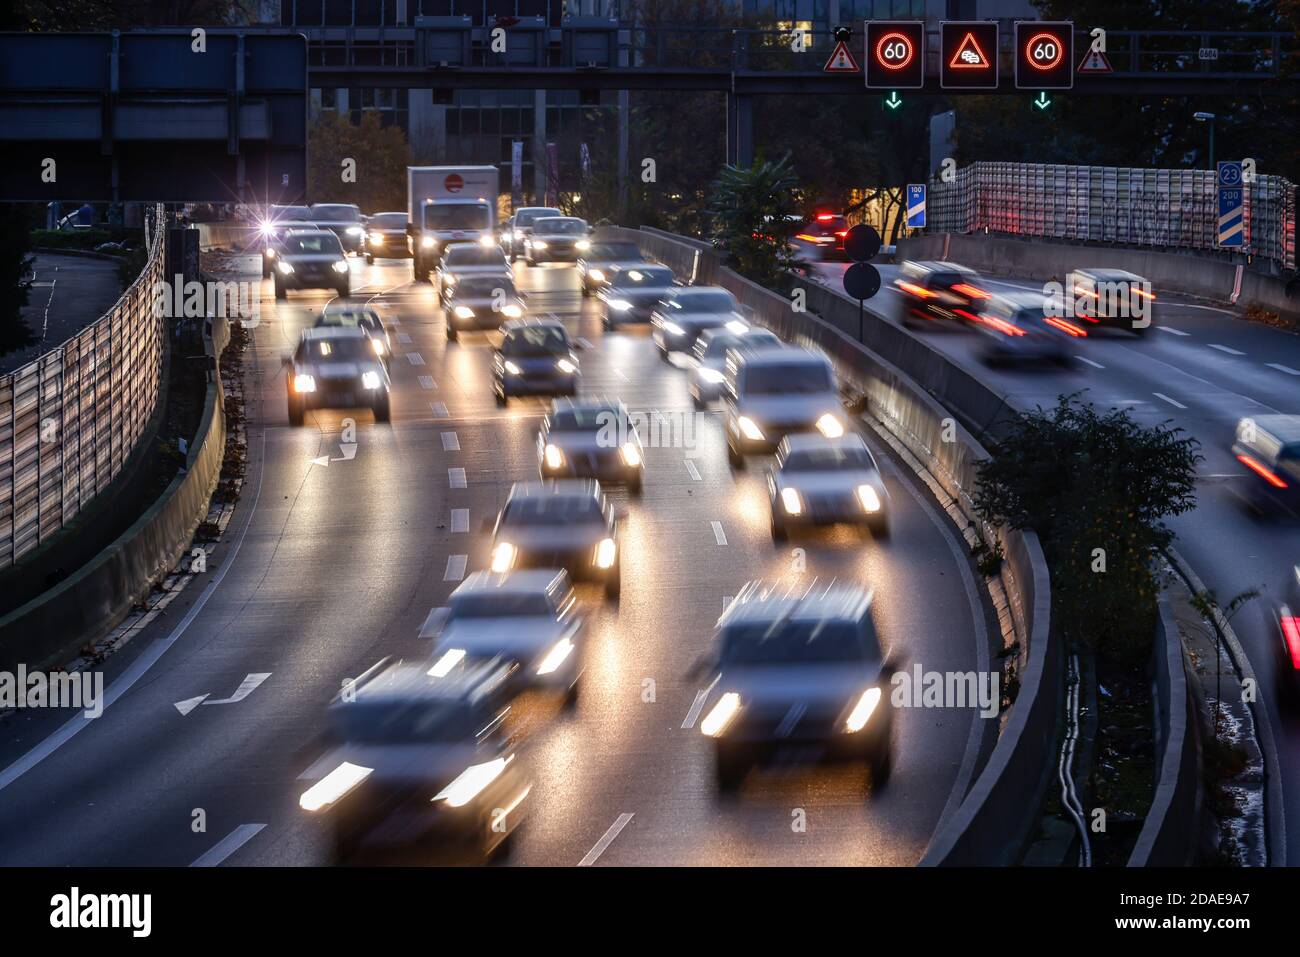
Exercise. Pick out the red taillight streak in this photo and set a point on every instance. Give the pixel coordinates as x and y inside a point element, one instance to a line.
<point>966,289</point>
<point>994,322</point>
<point>1291,634</point>
<point>1144,294</point>
<point>806,237</point>
<point>1084,292</point>
<point>1065,326</point>
<point>1263,471</point>
<point>825,217</point>
<point>842,233</point>
<point>916,290</point>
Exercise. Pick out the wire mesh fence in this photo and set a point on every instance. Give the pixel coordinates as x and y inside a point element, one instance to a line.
<point>1175,209</point>
<point>70,419</point>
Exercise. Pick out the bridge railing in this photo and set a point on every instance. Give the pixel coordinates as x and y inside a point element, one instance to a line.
<point>70,419</point>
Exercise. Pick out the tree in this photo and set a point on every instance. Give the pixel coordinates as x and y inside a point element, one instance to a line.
<point>754,215</point>
<point>15,276</point>
<point>380,155</point>
<point>1096,487</point>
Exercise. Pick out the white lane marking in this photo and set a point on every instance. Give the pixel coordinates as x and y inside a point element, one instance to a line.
<point>455,568</point>
<point>142,664</point>
<point>691,470</point>
<point>415,358</point>
<point>450,442</point>
<point>1230,351</point>
<point>1174,402</point>
<point>718,534</point>
<point>439,409</point>
<point>1281,368</point>
<point>459,520</point>
<point>456,477</point>
<point>404,338</point>
<point>606,840</point>
<point>228,845</point>
<point>426,382</point>
<point>246,687</point>
<point>1095,365</point>
<point>697,706</point>
<point>1172,331</point>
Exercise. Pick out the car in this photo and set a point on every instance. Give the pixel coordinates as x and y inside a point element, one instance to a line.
<point>591,438</point>
<point>822,236</point>
<point>520,226</point>
<point>420,761</point>
<point>557,239</point>
<point>1016,327</point>
<point>594,263</point>
<point>1269,446</point>
<point>686,311</point>
<point>482,301</point>
<point>342,219</point>
<point>535,357</point>
<point>566,524</point>
<point>386,237</point>
<point>335,367</point>
<point>1288,647</point>
<point>774,392</point>
<point>1111,298</point>
<point>632,293</point>
<point>270,236</point>
<point>799,672</point>
<point>940,291</point>
<point>468,259</point>
<point>707,374</point>
<point>361,317</point>
<point>311,259</point>
<point>528,618</point>
<point>823,481</point>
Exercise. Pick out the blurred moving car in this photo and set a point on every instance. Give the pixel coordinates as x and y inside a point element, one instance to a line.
<point>420,760</point>
<point>591,438</point>
<point>940,290</point>
<point>686,311</point>
<point>1111,298</point>
<point>1016,328</point>
<point>801,672</point>
<point>821,481</point>
<point>271,234</point>
<point>481,301</point>
<point>773,392</point>
<point>1288,626</point>
<point>526,618</point>
<point>557,239</point>
<point>594,263</point>
<point>708,374</point>
<point>359,317</point>
<point>536,357</point>
<point>311,259</point>
<point>632,293</point>
<point>823,237</point>
<point>565,524</point>
<point>386,237</point>
<point>344,220</point>
<point>467,259</point>
<point>336,368</point>
<point>1269,446</point>
<point>520,226</point>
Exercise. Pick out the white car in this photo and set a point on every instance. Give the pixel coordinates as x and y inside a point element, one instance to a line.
<point>468,259</point>
<point>775,392</point>
<point>821,481</point>
<point>707,376</point>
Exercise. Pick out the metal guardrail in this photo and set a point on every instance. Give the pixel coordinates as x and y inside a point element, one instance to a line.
<point>70,419</point>
<point>1168,208</point>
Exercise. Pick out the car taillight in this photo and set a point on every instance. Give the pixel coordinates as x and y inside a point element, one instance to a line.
<point>974,292</point>
<point>825,217</point>
<point>842,233</point>
<point>916,290</point>
<point>1064,326</point>
<point>1000,325</point>
<point>1262,470</point>
<point>1291,635</point>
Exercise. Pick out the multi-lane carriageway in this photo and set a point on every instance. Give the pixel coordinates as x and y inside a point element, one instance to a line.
<point>326,569</point>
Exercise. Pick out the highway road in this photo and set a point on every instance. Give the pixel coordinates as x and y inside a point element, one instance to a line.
<point>1202,369</point>
<point>327,568</point>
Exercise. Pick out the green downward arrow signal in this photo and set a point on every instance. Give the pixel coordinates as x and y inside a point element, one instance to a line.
<point>894,101</point>
<point>1042,102</point>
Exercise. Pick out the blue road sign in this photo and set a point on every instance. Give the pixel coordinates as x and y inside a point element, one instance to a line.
<point>916,206</point>
<point>1232,216</point>
<point>1229,173</point>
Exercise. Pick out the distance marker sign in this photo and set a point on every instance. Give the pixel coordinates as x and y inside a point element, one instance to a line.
<point>1044,55</point>
<point>895,55</point>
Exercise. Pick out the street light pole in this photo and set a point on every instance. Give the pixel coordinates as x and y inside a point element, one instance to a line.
<point>1207,118</point>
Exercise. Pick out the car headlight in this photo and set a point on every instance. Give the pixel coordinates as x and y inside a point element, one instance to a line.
<point>303,382</point>
<point>620,305</point>
<point>511,310</point>
<point>333,786</point>
<point>597,275</point>
<point>556,656</point>
<point>503,557</point>
<point>471,782</point>
<point>737,327</point>
<point>721,714</point>
<point>286,269</point>
<point>355,231</point>
<point>749,429</point>
<point>582,245</point>
<point>464,312</point>
<point>567,367</point>
<point>266,229</point>
<point>270,253</point>
<point>554,456</point>
<point>791,502</point>
<point>673,329</point>
<point>631,455</point>
<point>428,242</point>
<point>519,234</point>
<point>538,244</point>
<point>340,267</point>
<point>712,376</point>
<point>606,552</point>
<point>370,379</point>
<point>487,242</point>
<point>869,498</point>
<point>512,368</point>
<point>861,713</point>
<point>378,346</point>
<point>377,239</point>
<point>830,426</point>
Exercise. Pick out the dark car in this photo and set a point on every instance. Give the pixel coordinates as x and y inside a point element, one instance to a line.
<point>1111,298</point>
<point>342,219</point>
<point>536,357</point>
<point>686,311</point>
<point>481,301</point>
<point>1269,447</point>
<point>467,259</point>
<point>270,235</point>
<point>559,524</point>
<point>940,291</point>
<point>591,438</point>
<point>358,317</point>
<point>557,239</point>
<point>386,237</point>
<point>632,293</point>
<point>520,226</point>
<point>1288,626</point>
<point>336,368</point>
<point>1021,327</point>
<point>822,236</point>
<point>594,263</point>
<point>311,259</point>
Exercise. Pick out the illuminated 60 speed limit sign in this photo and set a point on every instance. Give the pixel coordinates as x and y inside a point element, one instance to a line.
<point>894,51</point>
<point>1044,51</point>
<point>1044,55</point>
<point>895,54</point>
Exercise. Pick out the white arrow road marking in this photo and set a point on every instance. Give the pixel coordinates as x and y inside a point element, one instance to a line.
<point>455,568</point>
<point>456,478</point>
<point>459,520</point>
<point>321,460</point>
<point>189,704</point>
<point>606,840</point>
<point>1281,368</point>
<point>349,450</point>
<point>246,687</point>
<point>1229,351</point>
<point>1174,402</point>
<point>450,442</point>
<point>228,845</point>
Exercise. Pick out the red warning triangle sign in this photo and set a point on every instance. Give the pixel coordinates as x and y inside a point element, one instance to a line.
<point>1095,62</point>
<point>841,60</point>
<point>968,55</point>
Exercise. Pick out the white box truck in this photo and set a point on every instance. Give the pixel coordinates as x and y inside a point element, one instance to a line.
<point>448,205</point>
